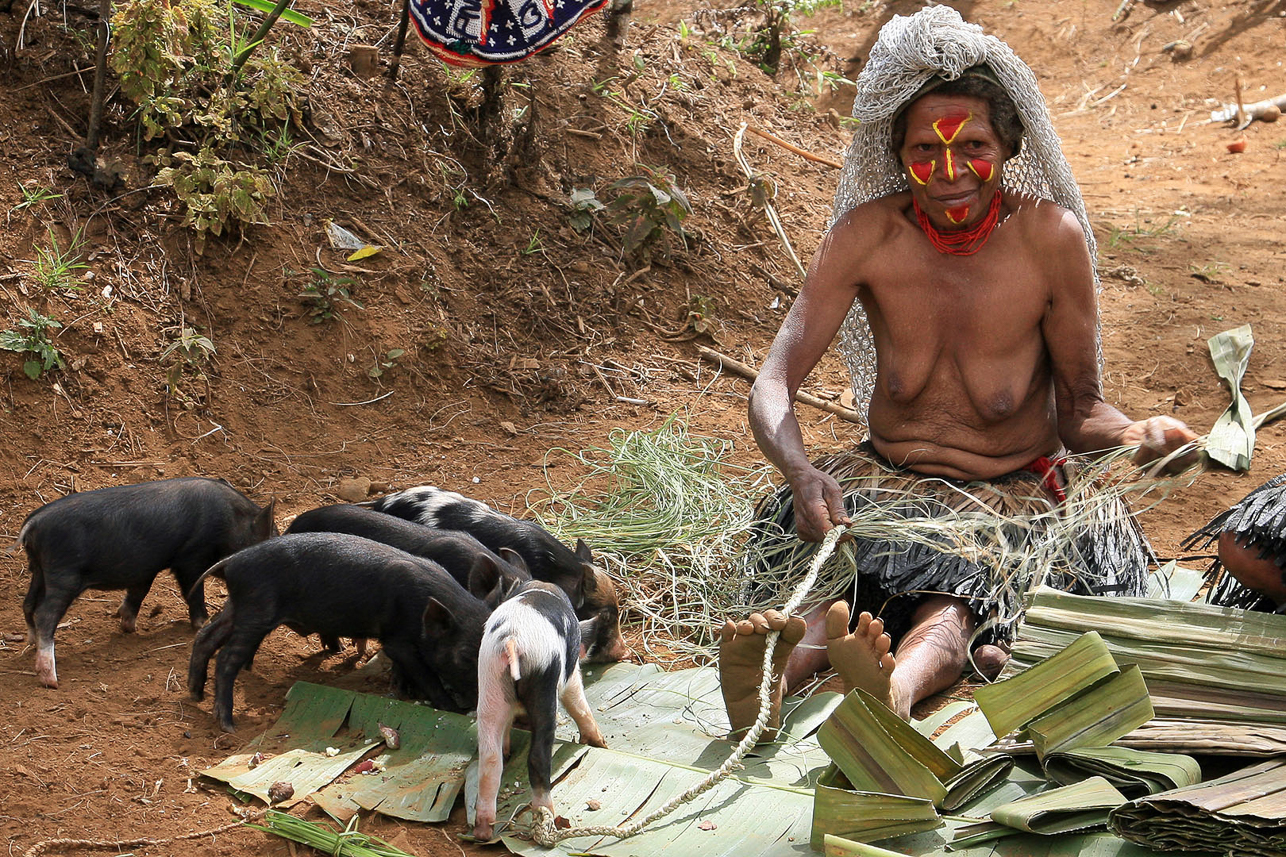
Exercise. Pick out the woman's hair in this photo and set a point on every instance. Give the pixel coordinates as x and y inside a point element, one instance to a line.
<point>976,84</point>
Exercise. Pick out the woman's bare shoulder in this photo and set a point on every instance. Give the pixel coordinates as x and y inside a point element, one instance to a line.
<point>1044,220</point>
<point>874,219</point>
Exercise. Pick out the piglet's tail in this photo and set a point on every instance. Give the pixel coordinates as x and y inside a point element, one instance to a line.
<point>511,655</point>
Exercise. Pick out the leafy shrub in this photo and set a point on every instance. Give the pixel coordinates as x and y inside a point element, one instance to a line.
<point>189,67</point>
<point>32,337</point>
<point>651,207</point>
<point>216,193</point>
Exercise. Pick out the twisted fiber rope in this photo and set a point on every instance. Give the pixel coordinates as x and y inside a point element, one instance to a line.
<point>545,833</point>
<point>101,844</point>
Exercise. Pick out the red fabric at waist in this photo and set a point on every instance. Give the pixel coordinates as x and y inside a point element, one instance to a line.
<point>1049,469</point>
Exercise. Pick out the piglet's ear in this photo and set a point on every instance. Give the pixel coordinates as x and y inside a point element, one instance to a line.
<point>438,620</point>
<point>585,587</point>
<point>265,523</point>
<point>515,559</point>
<point>583,552</point>
<point>484,580</point>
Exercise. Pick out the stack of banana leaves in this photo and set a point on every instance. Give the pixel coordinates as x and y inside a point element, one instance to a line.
<point>1097,773</point>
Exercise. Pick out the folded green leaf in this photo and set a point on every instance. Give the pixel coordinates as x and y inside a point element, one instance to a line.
<point>1097,717</point>
<point>1232,438</point>
<point>1135,773</point>
<point>840,810</point>
<point>976,778</point>
<point>1017,701</point>
<point>880,752</point>
<point>969,835</point>
<point>1081,806</point>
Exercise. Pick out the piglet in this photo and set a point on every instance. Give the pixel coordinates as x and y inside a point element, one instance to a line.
<point>339,585</point>
<point>529,660</point>
<point>591,590</point>
<point>121,538</point>
<point>455,551</point>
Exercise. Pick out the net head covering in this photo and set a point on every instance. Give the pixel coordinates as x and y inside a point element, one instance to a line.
<point>911,56</point>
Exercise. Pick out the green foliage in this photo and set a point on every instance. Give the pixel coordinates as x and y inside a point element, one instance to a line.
<point>535,245</point>
<point>191,347</point>
<point>222,124</point>
<point>651,207</point>
<point>1212,273</point>
<point>385,362</point>
<point>585,204</point>
<point>33,195</point>
<point>32,337</point>
<point>216,193</point>
<point>193,351</point>
<point>326,289</point>
<point>1144,227</point>
<point>55,266</point>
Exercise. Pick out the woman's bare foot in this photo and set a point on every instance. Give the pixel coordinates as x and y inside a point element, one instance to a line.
<point>741,664</point>
<point>989,660</point>
<point>862,658</point>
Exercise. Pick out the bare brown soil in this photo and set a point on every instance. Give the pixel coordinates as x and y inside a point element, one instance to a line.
<point>504,311</point>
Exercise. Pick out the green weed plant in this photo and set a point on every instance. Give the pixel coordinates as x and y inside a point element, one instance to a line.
<point>324,292</point>
<point>32,337</point>
<point>190,352</point>
<point>651,208</point>
<point>220,113</point>
<point>56,266</point>
<point>33,195</point>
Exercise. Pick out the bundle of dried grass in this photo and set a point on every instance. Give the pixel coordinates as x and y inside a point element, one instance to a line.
<point>994,547</point>
<point>668,515</point>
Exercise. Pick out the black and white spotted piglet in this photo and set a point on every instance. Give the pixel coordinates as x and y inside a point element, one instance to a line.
<point>591,590</point>
<point>530,659</point>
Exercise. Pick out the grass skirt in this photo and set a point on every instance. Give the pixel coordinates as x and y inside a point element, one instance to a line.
<point>985,542</point>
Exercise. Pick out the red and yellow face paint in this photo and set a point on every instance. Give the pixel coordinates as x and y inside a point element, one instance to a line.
<point>948,129</point>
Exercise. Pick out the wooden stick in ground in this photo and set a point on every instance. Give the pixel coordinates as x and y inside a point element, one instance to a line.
<point>739,368</point>
<point>1241,110</point>
<point>808,156</point>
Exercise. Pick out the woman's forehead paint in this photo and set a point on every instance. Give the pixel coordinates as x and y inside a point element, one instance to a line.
<point>947,127</point>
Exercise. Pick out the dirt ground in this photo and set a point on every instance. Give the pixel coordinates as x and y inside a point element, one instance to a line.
<point>520,334</point>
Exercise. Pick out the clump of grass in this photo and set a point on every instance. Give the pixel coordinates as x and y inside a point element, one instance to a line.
<point>346,843</point>
<point>55,267</point>
<point>667,514</point>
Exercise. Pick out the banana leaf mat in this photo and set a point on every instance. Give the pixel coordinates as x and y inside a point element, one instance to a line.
<point>665,734</point>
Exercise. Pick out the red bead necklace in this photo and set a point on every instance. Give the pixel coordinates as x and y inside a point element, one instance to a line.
<point>966,242</point>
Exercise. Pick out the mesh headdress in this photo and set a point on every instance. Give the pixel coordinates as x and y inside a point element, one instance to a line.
<point>936,42</point>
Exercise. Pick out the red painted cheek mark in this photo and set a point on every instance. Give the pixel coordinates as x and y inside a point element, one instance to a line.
<point>982,169</point>
<point>958,214</point>
<point>922,171</point>
<point>949,126</point>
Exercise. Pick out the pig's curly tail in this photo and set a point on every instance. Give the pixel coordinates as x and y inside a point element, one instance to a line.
<point>543,830</point>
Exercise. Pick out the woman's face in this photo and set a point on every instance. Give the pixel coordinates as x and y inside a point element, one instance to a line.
<point>952,157</point>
